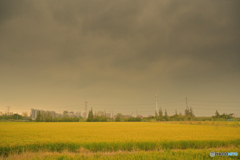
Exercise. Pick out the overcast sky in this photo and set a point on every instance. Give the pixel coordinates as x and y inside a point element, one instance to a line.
<point>117,55</point>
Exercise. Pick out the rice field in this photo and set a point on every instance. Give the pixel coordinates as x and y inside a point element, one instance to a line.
<point>115,140</point>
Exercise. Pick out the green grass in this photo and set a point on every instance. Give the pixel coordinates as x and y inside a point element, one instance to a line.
<point>187,154</point>
<point>117,146</point>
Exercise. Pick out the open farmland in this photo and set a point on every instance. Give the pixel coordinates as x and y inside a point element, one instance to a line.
<point>115,140</point>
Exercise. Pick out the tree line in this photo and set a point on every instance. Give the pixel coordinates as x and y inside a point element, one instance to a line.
<point>223,116</point>
<point>12,117</point>
<point>102,117</point>
<point>160,116</point>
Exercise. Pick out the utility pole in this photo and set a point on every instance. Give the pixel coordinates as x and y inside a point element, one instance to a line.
<point>8,110</point>
<point>156,104</point>
<point>186,103</point>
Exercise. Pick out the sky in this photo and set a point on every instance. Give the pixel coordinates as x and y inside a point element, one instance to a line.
<point>118,55</point>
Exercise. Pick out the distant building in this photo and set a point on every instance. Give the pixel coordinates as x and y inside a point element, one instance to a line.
<point>10,113</point>
<point>100,113</point>
<point>108,115</point>
<point>233,115</point>
<point>34,113</point>
<point>52,114</point>
<point>65,113</point>
<point>128,116</point>
<point>84,114</point>
<point>78,114</point>
<point>58,115</point>
<point>71,114</point>
<point>139,116</point>
<point>44,114</point>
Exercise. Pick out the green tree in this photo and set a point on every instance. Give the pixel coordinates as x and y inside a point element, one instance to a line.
<point>121,116</point>
<point>38,119</point>
<point>175,116</point>
<point>16,116</point>
<point>138,119</point>
<point>187,112</point>
<point>25,114</point>
<point>90,116</point>
<point>166,116</point>
<point>130,119</point>
<point>65,113</point>
<point>191,112</point>
<point>156,115</point>
<point>48,117</point>
<point>217,115</point>
<point>118,119</point>
<point>160,114</point>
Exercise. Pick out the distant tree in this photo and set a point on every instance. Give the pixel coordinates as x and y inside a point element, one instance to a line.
<point>160,114</point>
<point>48,117</point>
<point>97,119</point>
<point>118,119</point>
<point>175,116</point>
<point>90,116</point>
<point>191,112</point>
<point>65,113</point>
<point>138,119</point>
<point>25,114</point>
<point>166,116</point>
<point>104,119</point>
<point>43,116</point>
<point>156,115</point>
<point>187,111</point>
<point>217,115</point>
<point>38,119</point>
<point>16,116</point>
<point>100,114</point>
<point>121,116</point>
<point>81,119</point>
<point>130,119</point>
<point>225,116</point>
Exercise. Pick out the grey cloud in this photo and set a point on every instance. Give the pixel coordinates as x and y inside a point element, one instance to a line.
<point>10,9</point>
<point>142,45</point>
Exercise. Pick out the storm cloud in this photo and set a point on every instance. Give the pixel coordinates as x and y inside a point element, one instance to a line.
<point>54,54</point>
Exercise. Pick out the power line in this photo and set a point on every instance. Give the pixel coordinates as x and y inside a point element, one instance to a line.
<point>215,106</point>
<point>212,101</point>
<point>170,102</point>
<point>216,109</point>
<point>121,104</point>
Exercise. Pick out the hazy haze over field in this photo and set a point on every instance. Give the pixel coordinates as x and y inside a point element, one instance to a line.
<point>58,54</point>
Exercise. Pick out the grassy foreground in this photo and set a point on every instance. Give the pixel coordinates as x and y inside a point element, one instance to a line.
<point>121,140</point>
<point>187,154</point>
